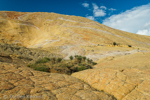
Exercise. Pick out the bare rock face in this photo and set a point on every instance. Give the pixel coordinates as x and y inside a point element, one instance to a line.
<point>22,83</point>
<point>128,84</point>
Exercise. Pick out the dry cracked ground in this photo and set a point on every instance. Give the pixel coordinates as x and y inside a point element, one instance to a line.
<point>18,83</point>
<point>126,77</point>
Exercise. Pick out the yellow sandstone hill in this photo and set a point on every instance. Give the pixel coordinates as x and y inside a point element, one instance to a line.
<point>49,29</point>
<point>44,30</point>
<point>123,68</point>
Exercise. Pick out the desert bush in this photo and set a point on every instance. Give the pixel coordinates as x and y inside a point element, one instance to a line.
<point>79,58</point>
<point>88,60</point>
<point>84,58</point>
<point>28,65</point>
<point>129,45</point>
<point>88,67</point>
<point>59,60</point>
<point>44,69</point>
<point>43,60</point>
<point>81,68</point>
<point>79,64</point>
<point>114,43</point>
<point>63,65</point>
<point>71,57</point>
<point>94,63</point>
<point>76,56</point>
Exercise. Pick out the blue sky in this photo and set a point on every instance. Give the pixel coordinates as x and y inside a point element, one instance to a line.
<point>127,15</point>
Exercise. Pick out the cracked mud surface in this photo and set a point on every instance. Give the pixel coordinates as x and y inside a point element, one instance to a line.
<point>123,85</point>
<point>17,81</point>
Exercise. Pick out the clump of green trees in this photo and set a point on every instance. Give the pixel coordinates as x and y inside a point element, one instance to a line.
<point>74,64</point>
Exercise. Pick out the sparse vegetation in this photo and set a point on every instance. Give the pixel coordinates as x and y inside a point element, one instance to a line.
<point>84,58</point>
<point>114,43</point>
<point>81,68</point>
<point>59,65</point>
<point>94,63</point>
<point>71,57</point>
<point>79,59</point>
<point>44,60</point>
<point>28,65</point>
<point>59,60</point>
<point>42,68</point>
<point>129,45</point>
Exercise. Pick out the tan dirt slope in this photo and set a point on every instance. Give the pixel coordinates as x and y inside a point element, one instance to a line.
<point>41,29</point>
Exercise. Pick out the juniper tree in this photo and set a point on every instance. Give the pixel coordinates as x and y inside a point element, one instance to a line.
<point>84,58</point>
<point>71,57</point>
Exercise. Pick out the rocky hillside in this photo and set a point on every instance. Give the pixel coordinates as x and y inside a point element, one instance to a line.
<point>65,33</point>
<point>122,71</point>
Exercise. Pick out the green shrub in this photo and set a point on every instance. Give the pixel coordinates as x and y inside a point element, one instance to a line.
<point>44,69</point>
<point>34,65</point>
<point>79,58</point>
<point>88,60</point>
<point>84,58</point>
<point>79,64</point>
<point>28,65</point>
<point>59,59</point>
<point>72,65</point>
<point>47,58</point>
<point>114,43</point>
<point>129,45</point>
<point>71,57</point>
<point>76,56</point>
<point>94,63</point>
<point>63,65</point>
<point>43,60</point>
<point>81,68</point>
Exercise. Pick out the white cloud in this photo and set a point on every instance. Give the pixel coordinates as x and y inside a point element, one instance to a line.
<point>90,17</point>
<point>97,11</point>
<point>95,6</point>
<point>86,5</point>
<point>144,32</point>
<point>136,20</point>
<point>112,9</point>
<point>103,7</point>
